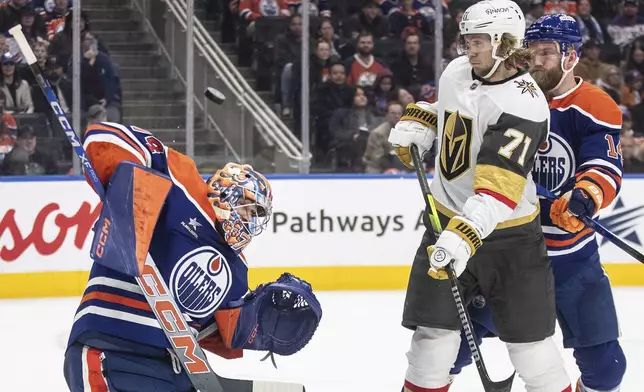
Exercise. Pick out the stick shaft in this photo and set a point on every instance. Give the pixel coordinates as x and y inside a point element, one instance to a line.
<point>463,315</point>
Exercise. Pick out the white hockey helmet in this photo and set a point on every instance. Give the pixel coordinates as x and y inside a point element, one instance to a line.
<point>494,18</point>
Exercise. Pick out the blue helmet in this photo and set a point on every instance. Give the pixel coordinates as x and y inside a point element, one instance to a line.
<point>560,28</point>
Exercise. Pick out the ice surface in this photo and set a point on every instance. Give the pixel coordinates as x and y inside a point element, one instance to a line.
<point>360,346</point>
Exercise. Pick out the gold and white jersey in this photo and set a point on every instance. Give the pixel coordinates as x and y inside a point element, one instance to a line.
<point>488,136</point>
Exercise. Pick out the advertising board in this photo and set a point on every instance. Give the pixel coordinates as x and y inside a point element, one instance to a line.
<point>337,232</point>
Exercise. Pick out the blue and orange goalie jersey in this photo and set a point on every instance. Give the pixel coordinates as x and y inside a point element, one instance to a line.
<point>201,270</point>
<point>583,145</point>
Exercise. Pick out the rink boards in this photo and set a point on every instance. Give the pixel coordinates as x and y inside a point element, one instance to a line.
<point>337,232</point>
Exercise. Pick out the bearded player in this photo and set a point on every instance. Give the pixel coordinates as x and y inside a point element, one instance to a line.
<point>491,119</point>
<point>116,343</point>
<point>581,162</point>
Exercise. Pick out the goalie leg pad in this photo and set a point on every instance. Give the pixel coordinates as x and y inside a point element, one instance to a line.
<point>540,366</point>
<point>280,317</point>
<point>430,358</point>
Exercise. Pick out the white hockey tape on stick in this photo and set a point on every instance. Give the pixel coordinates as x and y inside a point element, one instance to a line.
<point>23,44</point>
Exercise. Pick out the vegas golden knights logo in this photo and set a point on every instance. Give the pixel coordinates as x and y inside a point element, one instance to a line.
<point>455,148</point>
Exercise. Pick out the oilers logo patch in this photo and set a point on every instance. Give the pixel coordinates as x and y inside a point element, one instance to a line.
<point>554,164</point>
<point>200,281</point>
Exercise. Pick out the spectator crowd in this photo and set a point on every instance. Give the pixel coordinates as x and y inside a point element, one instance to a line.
<point>31,139</point>
<point>369,58</point>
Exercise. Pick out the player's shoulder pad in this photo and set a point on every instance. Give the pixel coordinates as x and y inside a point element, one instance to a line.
<point>592,102</point>
<point>132,138</point>
<point>458,69</point>
<point>521,97</point>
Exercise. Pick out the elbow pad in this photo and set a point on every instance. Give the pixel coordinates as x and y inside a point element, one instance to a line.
<point>485,212</point>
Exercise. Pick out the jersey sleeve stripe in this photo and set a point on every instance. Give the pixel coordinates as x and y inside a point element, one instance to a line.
<point>117,299</point>
<point>616,179</point>
<point>116,140</point>
<point>115,283</point>
<point>495,181</point>
<point>499,197</point>
<point>128,132</point>
<point>554,251</point>
<point>139,130</point>
<point>119,315</point>
<point>569,241</point>
<point>603,163</point>
<point>591,117</point>
<point>104,128</point>
<point>553,230</point>
<point>605,176</point>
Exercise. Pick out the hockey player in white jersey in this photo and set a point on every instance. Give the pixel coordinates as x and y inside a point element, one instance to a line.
<point>584,142</point>
<point>490,120</point>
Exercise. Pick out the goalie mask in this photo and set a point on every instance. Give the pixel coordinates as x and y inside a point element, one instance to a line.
<point>242,200</point>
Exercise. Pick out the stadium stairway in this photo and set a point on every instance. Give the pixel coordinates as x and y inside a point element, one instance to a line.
<point>151,98</point>
<point>211,23</point>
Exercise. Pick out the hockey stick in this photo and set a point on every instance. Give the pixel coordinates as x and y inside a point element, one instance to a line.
<point>595,225</point>
<point>466,322</point>
<point>152,285</point>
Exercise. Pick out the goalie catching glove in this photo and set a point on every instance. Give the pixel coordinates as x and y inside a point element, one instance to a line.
<point>458,242</point>
<point>280,317</point>
<point>416,126</point>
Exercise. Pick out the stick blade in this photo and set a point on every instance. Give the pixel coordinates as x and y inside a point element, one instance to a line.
<point>232,385</point>
<point>500,386</point>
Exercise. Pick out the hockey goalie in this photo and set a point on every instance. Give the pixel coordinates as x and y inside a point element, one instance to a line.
<point>195,232</point>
